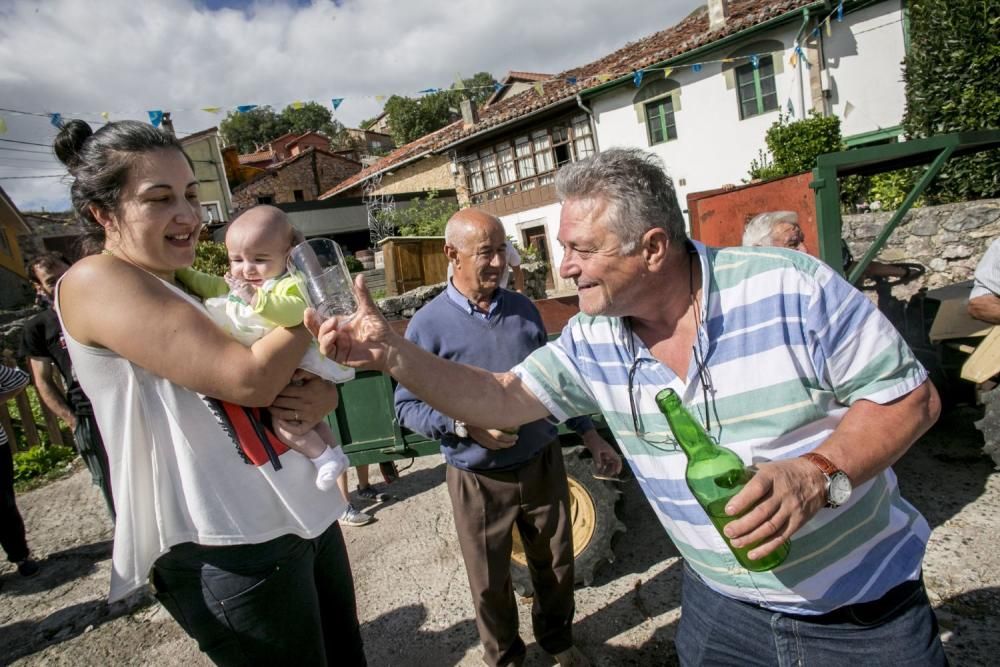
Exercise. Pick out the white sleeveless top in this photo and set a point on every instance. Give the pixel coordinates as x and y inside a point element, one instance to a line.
<point>176,473</point>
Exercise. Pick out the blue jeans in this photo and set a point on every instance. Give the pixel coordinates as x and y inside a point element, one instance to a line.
<point>289,601</point>
<point>899,630</point>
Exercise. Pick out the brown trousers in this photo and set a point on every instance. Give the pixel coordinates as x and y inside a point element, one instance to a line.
<point>486,507</point>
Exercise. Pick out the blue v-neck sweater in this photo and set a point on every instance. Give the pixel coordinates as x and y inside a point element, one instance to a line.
<point>498,343</point>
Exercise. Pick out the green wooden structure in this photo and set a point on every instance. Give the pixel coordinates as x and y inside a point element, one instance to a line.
<point>934,151</point>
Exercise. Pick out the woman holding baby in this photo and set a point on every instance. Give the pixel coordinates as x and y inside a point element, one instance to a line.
<point>247,557</point>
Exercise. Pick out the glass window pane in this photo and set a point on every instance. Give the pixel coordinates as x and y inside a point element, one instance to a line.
<point>522,146</point>
<point>749,108</point>
<point>548,179</point>
<point>506,157</point>
<point>543,160</point>
<point>584,147</point>
<point>526,166</point>
<point>767,86</point>
<point>476,181</point>
<point>655,134</point>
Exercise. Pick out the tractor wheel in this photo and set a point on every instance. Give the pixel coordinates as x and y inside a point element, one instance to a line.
<point>989,425</point>
<point>592,509</point>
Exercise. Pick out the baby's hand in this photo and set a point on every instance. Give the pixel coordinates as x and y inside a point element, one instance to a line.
<point>242,289</point>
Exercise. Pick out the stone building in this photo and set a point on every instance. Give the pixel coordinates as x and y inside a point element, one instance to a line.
<point>303,176</point>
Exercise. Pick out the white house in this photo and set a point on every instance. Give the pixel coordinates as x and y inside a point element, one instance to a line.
<point>701,94</point>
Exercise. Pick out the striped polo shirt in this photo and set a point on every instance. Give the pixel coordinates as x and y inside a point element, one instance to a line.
<point>10,379</point>
<point>786,347</point>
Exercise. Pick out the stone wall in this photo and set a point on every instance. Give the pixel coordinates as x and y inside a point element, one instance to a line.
<point>314,173</point>
<point>947,240</point>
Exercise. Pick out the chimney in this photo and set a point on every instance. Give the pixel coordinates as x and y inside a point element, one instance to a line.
<point>167,124</point>
<point>469,114</point>
<point>718,12</point>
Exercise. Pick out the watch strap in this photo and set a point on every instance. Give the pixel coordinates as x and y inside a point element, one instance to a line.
<point>822,463</point>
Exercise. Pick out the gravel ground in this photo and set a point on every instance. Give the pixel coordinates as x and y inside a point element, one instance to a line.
<point>411,586</point>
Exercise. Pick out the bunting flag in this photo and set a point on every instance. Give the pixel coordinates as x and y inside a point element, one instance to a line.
<point>848,108</point>
<point>791,109</point>
<point>212,109</point>
<point>3,126</point>
<point>297,105</point>
<point>335,102</point>
<point>603,77</point>
<point>571,80</point>
<point>667,71</point>
<point>637,78</point>
<point>459,84</point>
<point>56,120</point>
<point>497,87</point>
<point>155,117</point>
<point>840,12</point>
<point>244,108</point>
<point>755,61</point>
<point>696,67</point>
<point>793,60</point>
<point>539,88</point>
<point>106,115</point>
<point>380,98</point>
<point>427,91</point>
<point>829,30</point>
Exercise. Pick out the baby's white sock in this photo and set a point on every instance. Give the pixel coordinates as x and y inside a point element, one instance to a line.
<point>329,465</point>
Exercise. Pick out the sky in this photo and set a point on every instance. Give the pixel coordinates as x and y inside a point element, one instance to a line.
<point>125,57</point>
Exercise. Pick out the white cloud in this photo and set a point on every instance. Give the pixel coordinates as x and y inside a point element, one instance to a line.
<point>126,57</point>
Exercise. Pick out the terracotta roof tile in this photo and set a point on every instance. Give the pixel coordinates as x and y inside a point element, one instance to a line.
<point>691,33</point>
<point>259,156</point>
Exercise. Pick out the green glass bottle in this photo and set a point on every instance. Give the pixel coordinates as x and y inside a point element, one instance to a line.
<point>714,474</point>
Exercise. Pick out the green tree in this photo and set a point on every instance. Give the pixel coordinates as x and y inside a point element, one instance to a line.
<point>211,257</point>
<point>423,217</point>
<point>259,126</point>
<point>795,145</point>
<point>411,118</point>
<point>255,127</point>
<point>952,75</point>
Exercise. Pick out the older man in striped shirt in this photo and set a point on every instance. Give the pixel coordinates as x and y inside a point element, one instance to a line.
<point>783,362</point>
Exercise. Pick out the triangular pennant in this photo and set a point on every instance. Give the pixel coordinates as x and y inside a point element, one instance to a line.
<point>244,108</point>
<point>848,108</point>
<point>497,86</point>
<point>380,98</point>
<point>571,80</point>
<point>427,91</point>
<point>794,59</point>
<point>791,109</point>
<point>3,126</point>
<point>212,109</point>
<point>155,117</point>
<point>56,120</point>
<point>696,67</point>
<point>667,71</point>
<point>840,12</point>
<point>106,116</point>
<point>603,76</point>
<point>755,61</point>
<point>459,84</point>
<point>539,88</point>
<point>637,78</point>
<point>297,105</point>
<point>829,30</point>
<point>335,102</point>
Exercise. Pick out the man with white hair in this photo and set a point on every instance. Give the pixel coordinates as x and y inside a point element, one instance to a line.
<point>781,360</point>
<point>499,479</point>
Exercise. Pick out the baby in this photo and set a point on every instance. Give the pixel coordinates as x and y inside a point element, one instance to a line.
<point>255,297</point>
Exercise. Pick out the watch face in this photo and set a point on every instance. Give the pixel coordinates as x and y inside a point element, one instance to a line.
<point>840,489</point>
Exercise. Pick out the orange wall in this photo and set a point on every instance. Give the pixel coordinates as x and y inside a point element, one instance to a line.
<point>719,216</point>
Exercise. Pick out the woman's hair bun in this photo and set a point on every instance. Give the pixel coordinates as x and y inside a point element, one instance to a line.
<point>69,142</point>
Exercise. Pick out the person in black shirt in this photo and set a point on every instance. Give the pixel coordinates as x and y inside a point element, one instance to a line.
<point>42,342</point>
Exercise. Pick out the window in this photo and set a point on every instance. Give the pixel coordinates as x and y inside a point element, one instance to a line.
<point>528,161</point>
<point>755,88</point>
<point>265,199</point>
<point>211,212</point>
<point>583,139</point>
<point>660,120</point>
<point>299,195</point>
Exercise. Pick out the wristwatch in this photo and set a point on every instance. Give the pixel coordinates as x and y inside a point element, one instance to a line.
<point>838,484</point>
<point>460,429</point>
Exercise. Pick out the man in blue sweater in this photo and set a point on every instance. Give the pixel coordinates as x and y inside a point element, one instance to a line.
<point>498,479</point>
